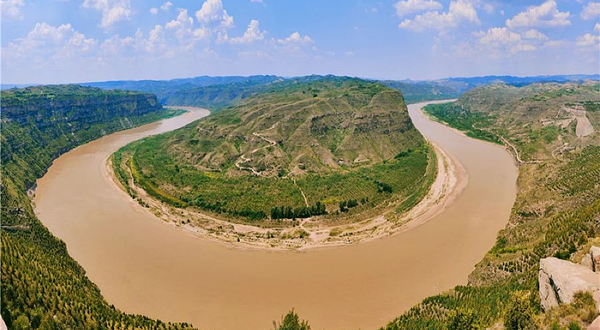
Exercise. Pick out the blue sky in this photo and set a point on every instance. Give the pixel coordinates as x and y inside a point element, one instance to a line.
<point>58,41</point>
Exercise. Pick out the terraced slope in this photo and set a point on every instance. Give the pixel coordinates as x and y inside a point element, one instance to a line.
<point>539,121</point>
<point>557,211</point>
<point>329,146</point>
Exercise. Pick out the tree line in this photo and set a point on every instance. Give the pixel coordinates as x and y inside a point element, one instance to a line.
<point>287,212</point>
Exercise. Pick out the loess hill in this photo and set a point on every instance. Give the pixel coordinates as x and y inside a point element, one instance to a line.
<point>304,147</point>
<point>552,130</point>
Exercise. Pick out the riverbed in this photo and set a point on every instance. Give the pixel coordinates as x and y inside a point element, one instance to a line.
<point>144,265</point>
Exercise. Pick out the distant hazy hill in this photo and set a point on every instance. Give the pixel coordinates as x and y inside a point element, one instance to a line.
<point>463,84</point>
<point>204,91</point>
<point>422,91</point>
<point>217,93</point>
<point>330,139</point>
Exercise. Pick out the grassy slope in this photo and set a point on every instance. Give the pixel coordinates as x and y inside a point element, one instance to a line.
<point>42,286</point>
<point>557,211</point>
<point>318,128</point>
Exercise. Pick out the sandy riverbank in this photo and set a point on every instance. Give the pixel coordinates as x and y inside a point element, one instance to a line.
<point>144,266</point>
<point>451,178</point>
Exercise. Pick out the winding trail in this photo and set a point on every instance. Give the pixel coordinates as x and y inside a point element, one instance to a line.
<point>145,266</point>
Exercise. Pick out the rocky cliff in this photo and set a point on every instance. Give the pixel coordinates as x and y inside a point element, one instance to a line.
<point>39,123</point>
<point>42,286</point>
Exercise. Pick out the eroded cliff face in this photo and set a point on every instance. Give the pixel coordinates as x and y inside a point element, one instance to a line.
<point>50,105</point>
<point>39,123</point>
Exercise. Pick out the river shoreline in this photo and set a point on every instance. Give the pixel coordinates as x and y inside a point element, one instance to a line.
<point>451,178</point>
<point>144,266</point>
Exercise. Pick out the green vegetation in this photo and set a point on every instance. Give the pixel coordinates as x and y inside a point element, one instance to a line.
<point>582,308</point>
<point>299,212</point>
<point>557,211</point>
<point>475,125</point>
<point>291,321</point>
<point>42,286</point>
<point>302,148</point>
<point>463,319</point>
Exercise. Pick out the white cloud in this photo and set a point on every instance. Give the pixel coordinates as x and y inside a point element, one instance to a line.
<point>544,15</point>
<point>182,21</point>
<point>460,11</point>
<point>115,45</point>
<point>295,38</point>
<point>212,11</point>
<point>252,34</point>
<point>113,11</point>
<point>46,41</point>
<point>597,27</point>
<point>501,39</point>
<point>588,40</point>
<point>153,11</point>
<point>349,53</point>
<point>183,27</point>
<point>295,44</point>
<point>534,34</point>
<point>404,8</point>
<point>166,6</point>
<point>591,11</point>
<point>11,9</point>
<point>155,41</point>
<point>257,1</point>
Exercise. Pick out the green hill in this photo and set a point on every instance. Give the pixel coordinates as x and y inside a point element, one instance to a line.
<point>557,211</point>
<point>42,286</point>
<point>303,147</point>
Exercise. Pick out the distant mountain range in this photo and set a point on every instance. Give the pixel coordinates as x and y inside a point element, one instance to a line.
<point>222,91</point>
<point>463,84</point>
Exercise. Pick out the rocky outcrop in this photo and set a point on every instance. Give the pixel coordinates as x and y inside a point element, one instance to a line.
<point>591,259</point>
<point>559,280</point>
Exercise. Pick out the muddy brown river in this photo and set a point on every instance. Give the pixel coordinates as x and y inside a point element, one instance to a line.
<point>143,265</point>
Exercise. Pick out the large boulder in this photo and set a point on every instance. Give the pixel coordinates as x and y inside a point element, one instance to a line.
<point>559,280</point>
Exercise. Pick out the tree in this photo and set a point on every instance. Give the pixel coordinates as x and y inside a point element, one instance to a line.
<point>520,313</point>
<point>22,323</point>
<point>48,323</point>
<point>462,319</point>
<point>291,322</point>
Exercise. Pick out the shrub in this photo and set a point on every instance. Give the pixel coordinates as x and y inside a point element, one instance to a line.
<point>291,322</point>
<point>520,313</point>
